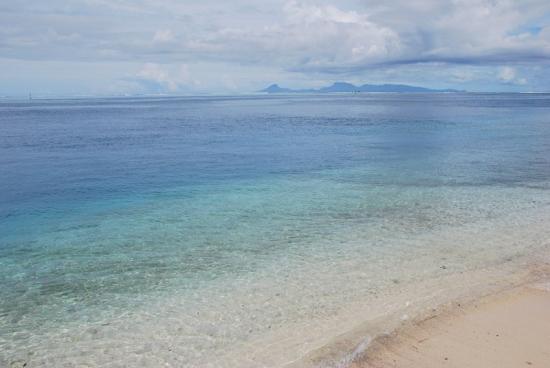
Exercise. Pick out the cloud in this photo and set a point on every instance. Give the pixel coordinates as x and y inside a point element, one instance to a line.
<point>319,39</point>
<point>462,76</point>
<point>508,75</point>
<point>295,34</point>
<point>154,73</point>
<point>155,77</point>
<point>163,35</point>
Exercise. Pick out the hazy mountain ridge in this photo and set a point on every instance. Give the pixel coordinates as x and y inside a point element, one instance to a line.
<point>348,87</point>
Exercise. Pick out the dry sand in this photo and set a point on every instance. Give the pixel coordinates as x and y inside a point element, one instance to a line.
<point>506,330</point>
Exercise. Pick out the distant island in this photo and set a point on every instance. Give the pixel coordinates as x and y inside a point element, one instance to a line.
<point>348,87</point>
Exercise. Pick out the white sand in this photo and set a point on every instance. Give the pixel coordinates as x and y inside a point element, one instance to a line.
<point>505,330</point>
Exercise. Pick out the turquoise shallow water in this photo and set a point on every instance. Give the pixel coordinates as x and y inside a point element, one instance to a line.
<point>207,231</point>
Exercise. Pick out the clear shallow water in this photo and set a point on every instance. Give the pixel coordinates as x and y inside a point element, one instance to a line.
<point>248,231</point>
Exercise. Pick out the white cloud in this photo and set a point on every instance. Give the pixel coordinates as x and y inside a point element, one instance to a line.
<point>521,81</point>
<point>509,75</point>
<point>303,34</point>
<point>168,78</point>
<point>163,35</point>
<point>335,37</point>
<point>154,72</point>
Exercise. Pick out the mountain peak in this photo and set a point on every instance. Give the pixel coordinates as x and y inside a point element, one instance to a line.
<point>274,88</point>
<point>339,87</point>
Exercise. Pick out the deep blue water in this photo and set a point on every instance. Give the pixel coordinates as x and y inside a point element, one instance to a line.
<point>69,152</point>
<point>105,201</point>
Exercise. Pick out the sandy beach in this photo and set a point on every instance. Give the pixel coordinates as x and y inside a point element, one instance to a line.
<point>509,329</point>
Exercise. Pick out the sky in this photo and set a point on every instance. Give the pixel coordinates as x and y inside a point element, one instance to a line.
<point>123,47</point>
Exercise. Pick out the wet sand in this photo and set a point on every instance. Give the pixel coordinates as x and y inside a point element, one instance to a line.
<point>511,329</point>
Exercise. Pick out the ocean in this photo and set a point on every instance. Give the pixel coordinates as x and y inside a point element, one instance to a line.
<point>258,231</point>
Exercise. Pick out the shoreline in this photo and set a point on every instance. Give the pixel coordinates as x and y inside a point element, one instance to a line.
<point>351,341</point>
<point>368,344</point>
<point>335,332</point>
<point>508,328</point>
